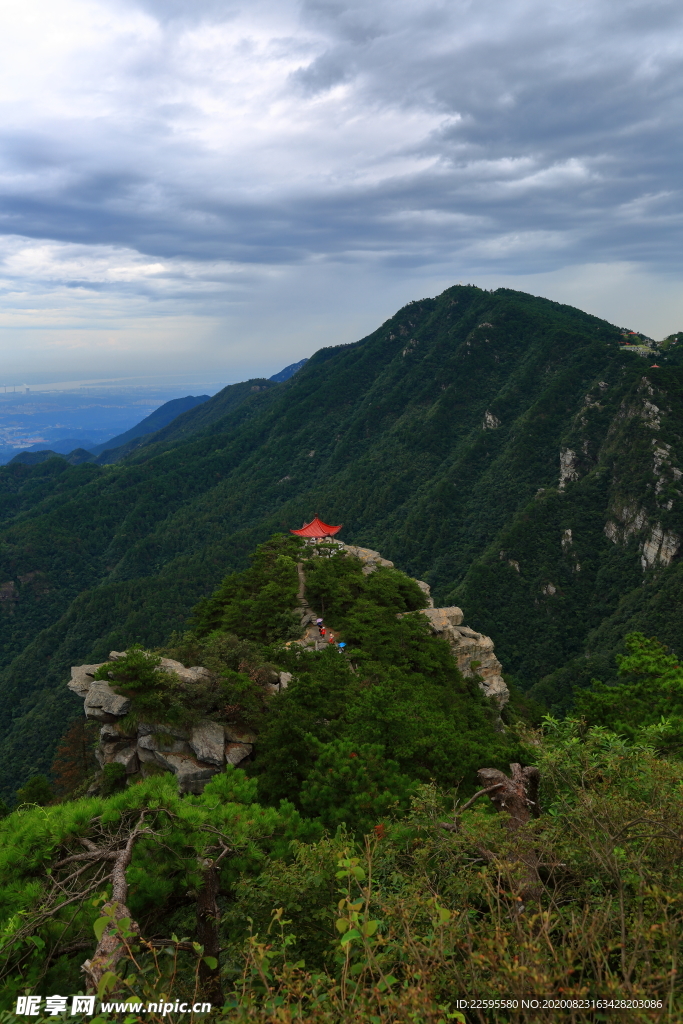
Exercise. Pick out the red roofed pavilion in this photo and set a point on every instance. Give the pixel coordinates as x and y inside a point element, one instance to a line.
<point>317,528</point>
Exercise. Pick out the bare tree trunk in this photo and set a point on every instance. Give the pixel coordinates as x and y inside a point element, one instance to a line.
<point>111,948</point>
<point>517,797</point>
<point>208,917</point>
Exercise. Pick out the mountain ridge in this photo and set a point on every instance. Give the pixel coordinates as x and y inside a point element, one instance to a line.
<point>428,439</point>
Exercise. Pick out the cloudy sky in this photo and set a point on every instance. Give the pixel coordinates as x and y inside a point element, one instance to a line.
<point>230,184</point>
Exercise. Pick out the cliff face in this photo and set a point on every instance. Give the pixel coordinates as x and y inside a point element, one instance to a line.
<point>193,754</point>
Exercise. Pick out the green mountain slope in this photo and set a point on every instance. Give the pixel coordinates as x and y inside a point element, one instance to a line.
<point>429,440</point>
<point>155,421</point>
<point>190,421</point>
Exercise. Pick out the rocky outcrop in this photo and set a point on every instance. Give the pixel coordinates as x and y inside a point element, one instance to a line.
<point>658,547</point>
<point>196,753</point>
<point>371,559</point>
<point>569,467</point>
<point>472,651</point>
<point>193,754</point>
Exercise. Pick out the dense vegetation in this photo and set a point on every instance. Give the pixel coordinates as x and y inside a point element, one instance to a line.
<point>354,732</point>
<point>345,876</point>
<point>430,440</point>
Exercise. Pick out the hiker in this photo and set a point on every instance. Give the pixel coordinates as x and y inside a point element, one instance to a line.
<point>322,631</point>
<point>318,623</point>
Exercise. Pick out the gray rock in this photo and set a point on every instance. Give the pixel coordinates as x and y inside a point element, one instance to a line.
<point>128,757</point>
<point>188,675</point>
<point>82,678</point>
<point>192,775</point>
<point>101,702</point>
<point>109,749</point>
<point>285,680</point>
<point>148,728</point>
<point>146,756</point>
<point>235,753</point>
<point>441,618</point>
<point>207,740</point>
<point>154,742</point>
<point>427,591</point>
<point>111,733</point>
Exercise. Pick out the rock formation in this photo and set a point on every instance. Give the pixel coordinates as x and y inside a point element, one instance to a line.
<point>196,753</point>
<point>472,651</point>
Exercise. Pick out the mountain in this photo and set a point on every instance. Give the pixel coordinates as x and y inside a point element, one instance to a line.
<point>512,451</point>
<point>35,458</point>
<point>288,371</point>
<point>63,447</point>
<point>155,421</point>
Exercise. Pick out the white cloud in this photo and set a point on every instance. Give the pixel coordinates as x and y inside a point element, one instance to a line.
<point>201,162</point>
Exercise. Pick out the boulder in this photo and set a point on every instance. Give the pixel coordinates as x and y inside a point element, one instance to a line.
<point>427,591</point>
<point>475,656</point>
<point>101,703</point>
<point>441,619</point>
<point>472,651</point>
<point>235,753</point>
<point>192,776</point>
<point>82,678</point>
<point>146,756</point>
<point>151,728</point>
<point>128,757</point>
<point>207,740</point>
<point>154,742</point>
<point>371,559</point>
<point>188,675</point>
<point>111,732</point>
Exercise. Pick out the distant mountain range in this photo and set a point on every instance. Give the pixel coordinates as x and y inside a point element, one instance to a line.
<point>78,450</point>
<point>155,421</point>
<point>511,451</point>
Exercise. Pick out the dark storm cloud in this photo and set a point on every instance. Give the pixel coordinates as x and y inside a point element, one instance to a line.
<point>519,136</point>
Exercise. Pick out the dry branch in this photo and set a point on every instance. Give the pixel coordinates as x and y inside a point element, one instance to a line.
<point>111,946</point>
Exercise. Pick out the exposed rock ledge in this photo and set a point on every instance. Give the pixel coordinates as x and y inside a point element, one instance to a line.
<point>194,754</point>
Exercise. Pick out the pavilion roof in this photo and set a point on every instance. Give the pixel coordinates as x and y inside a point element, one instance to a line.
<point>317,528</point>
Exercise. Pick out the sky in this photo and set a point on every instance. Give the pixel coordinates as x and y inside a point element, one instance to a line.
<point>223,186</point>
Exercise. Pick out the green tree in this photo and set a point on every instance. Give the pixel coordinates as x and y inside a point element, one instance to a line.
<point>354,784</point>
<point>647,703</point>
<point>36,791</point>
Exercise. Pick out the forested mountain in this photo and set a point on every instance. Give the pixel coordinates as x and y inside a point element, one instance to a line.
<point>155,421</point>
<point>505,448</point>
